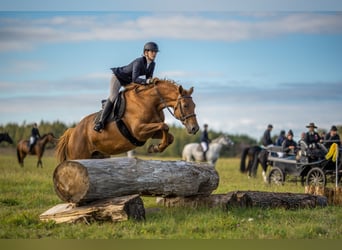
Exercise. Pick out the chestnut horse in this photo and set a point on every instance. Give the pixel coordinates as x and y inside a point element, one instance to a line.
<point>37,149</point>
<point>143,117</point>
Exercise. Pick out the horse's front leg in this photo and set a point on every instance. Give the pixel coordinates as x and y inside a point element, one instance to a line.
<point>156,131</point>
<point>165,137</point>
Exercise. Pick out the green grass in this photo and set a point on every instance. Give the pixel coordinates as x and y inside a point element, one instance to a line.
<point>27,192</point>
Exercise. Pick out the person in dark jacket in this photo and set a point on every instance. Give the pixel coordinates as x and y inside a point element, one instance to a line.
<point>289,145</point>
<point>139,71</point>
<point>35,135</point>
<point>312,137</point>
<point>205,141</point>
<point>266,139</point>
<point>281,138</point>
<point>332,137</point>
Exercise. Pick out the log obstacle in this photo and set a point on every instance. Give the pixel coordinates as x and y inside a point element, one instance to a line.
<point>84,181</point>
<point>334,195</point>
<point>246,199</point>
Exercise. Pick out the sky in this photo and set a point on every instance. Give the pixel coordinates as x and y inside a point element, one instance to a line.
<point>249,66</point>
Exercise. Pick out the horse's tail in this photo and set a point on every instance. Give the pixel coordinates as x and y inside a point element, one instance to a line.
<point>255,162</point>
<point>61,148</point>
<point>243,160</point>
<point>185,153</point>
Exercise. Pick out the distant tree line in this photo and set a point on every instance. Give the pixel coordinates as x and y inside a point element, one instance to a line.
<point>181,138</point>
<point>23,131</point>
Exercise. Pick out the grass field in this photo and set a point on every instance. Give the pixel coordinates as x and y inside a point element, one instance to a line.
<point>27,192</point>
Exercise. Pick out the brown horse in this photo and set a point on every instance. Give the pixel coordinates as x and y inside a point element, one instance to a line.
<point>143,117</point>
<point>38,148</point>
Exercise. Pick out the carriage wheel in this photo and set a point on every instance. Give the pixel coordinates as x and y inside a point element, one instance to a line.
<point>276,176</point>
<point>316,177</point>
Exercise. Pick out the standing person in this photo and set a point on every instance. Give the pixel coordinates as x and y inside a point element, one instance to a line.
<point>312,137</point>
<point>205,141</point>
<point>332,137</point>
<point>289,145</point>
<point>35,135</point>
<point>266,139</point>
<point>139,71</point>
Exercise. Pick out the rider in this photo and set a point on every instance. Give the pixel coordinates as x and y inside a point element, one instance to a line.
<point>205,141</point>
<point>138,71</point>
<point>35,135</point>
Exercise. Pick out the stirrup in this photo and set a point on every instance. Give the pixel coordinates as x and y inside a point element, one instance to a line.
<point>98,127</point>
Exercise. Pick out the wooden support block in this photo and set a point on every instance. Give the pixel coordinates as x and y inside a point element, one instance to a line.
<point>112,209</point>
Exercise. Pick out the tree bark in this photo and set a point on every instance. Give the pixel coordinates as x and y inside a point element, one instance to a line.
<point>83,181</point>
<point>245,199</point>
<point>113,209</point>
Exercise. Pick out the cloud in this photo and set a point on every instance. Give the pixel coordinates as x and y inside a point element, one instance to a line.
<point>26,33</point>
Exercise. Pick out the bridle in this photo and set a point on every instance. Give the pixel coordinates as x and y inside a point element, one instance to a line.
<point>183,116</point>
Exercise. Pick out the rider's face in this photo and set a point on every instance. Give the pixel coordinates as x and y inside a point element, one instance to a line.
<point>151,55</point>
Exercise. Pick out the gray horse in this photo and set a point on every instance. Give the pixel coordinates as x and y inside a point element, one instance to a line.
<point>193,151</point>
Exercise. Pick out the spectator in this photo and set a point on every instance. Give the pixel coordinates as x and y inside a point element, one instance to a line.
<point>289,145</point>
<point>266,139</point>
<point>311,137</point>
<point>332,137</point>
<point>281,138</point>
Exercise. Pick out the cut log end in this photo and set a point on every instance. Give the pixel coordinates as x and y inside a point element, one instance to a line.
<point>71,181</point>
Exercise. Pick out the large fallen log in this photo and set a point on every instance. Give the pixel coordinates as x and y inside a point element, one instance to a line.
<point>83,181</point>
<point>112,209</point>
<point>246,199</point>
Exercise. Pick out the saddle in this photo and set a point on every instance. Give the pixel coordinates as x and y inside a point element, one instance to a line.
<point>117,113</point>
<point>199,147</point>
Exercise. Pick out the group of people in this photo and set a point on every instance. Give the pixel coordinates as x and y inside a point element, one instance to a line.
<point>311,138</point>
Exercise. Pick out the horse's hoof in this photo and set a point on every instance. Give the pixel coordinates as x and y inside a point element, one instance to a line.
<point>150,149</point>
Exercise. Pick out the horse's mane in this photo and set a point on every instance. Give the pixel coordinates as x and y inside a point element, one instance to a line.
<point>157,81</point>
<point>217,139</point>
<point>45,135</point>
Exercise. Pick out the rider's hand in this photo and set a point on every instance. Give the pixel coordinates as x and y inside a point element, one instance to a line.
<point>152,80</point>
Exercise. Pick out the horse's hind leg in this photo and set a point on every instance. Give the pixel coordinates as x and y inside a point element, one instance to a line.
<point>40,163</point>
<point>21,161</point>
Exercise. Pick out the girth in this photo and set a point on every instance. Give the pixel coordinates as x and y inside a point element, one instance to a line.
<point>125,132</point>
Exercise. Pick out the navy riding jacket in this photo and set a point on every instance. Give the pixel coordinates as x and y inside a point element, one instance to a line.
<point>137,71</point>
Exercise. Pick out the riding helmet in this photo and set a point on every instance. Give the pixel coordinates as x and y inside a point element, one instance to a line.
<point>151,46</point>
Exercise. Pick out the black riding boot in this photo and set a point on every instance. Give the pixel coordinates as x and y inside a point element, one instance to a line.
<point>105,113</point>
<point>204,156</point>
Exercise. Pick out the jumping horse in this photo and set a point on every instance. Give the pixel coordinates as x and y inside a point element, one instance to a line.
<point>193,151</point>
<point>38,149</point>
<point>5,137</point>
<point>256,155</point>
<point>143,118</point>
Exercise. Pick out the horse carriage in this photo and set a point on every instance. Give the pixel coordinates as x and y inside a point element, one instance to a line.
<point>313,166</point>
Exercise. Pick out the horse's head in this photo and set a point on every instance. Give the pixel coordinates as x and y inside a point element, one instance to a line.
<point>184,110</point>
<point>7,138</point>
<point>225,140</point>
<point>51,138</point>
